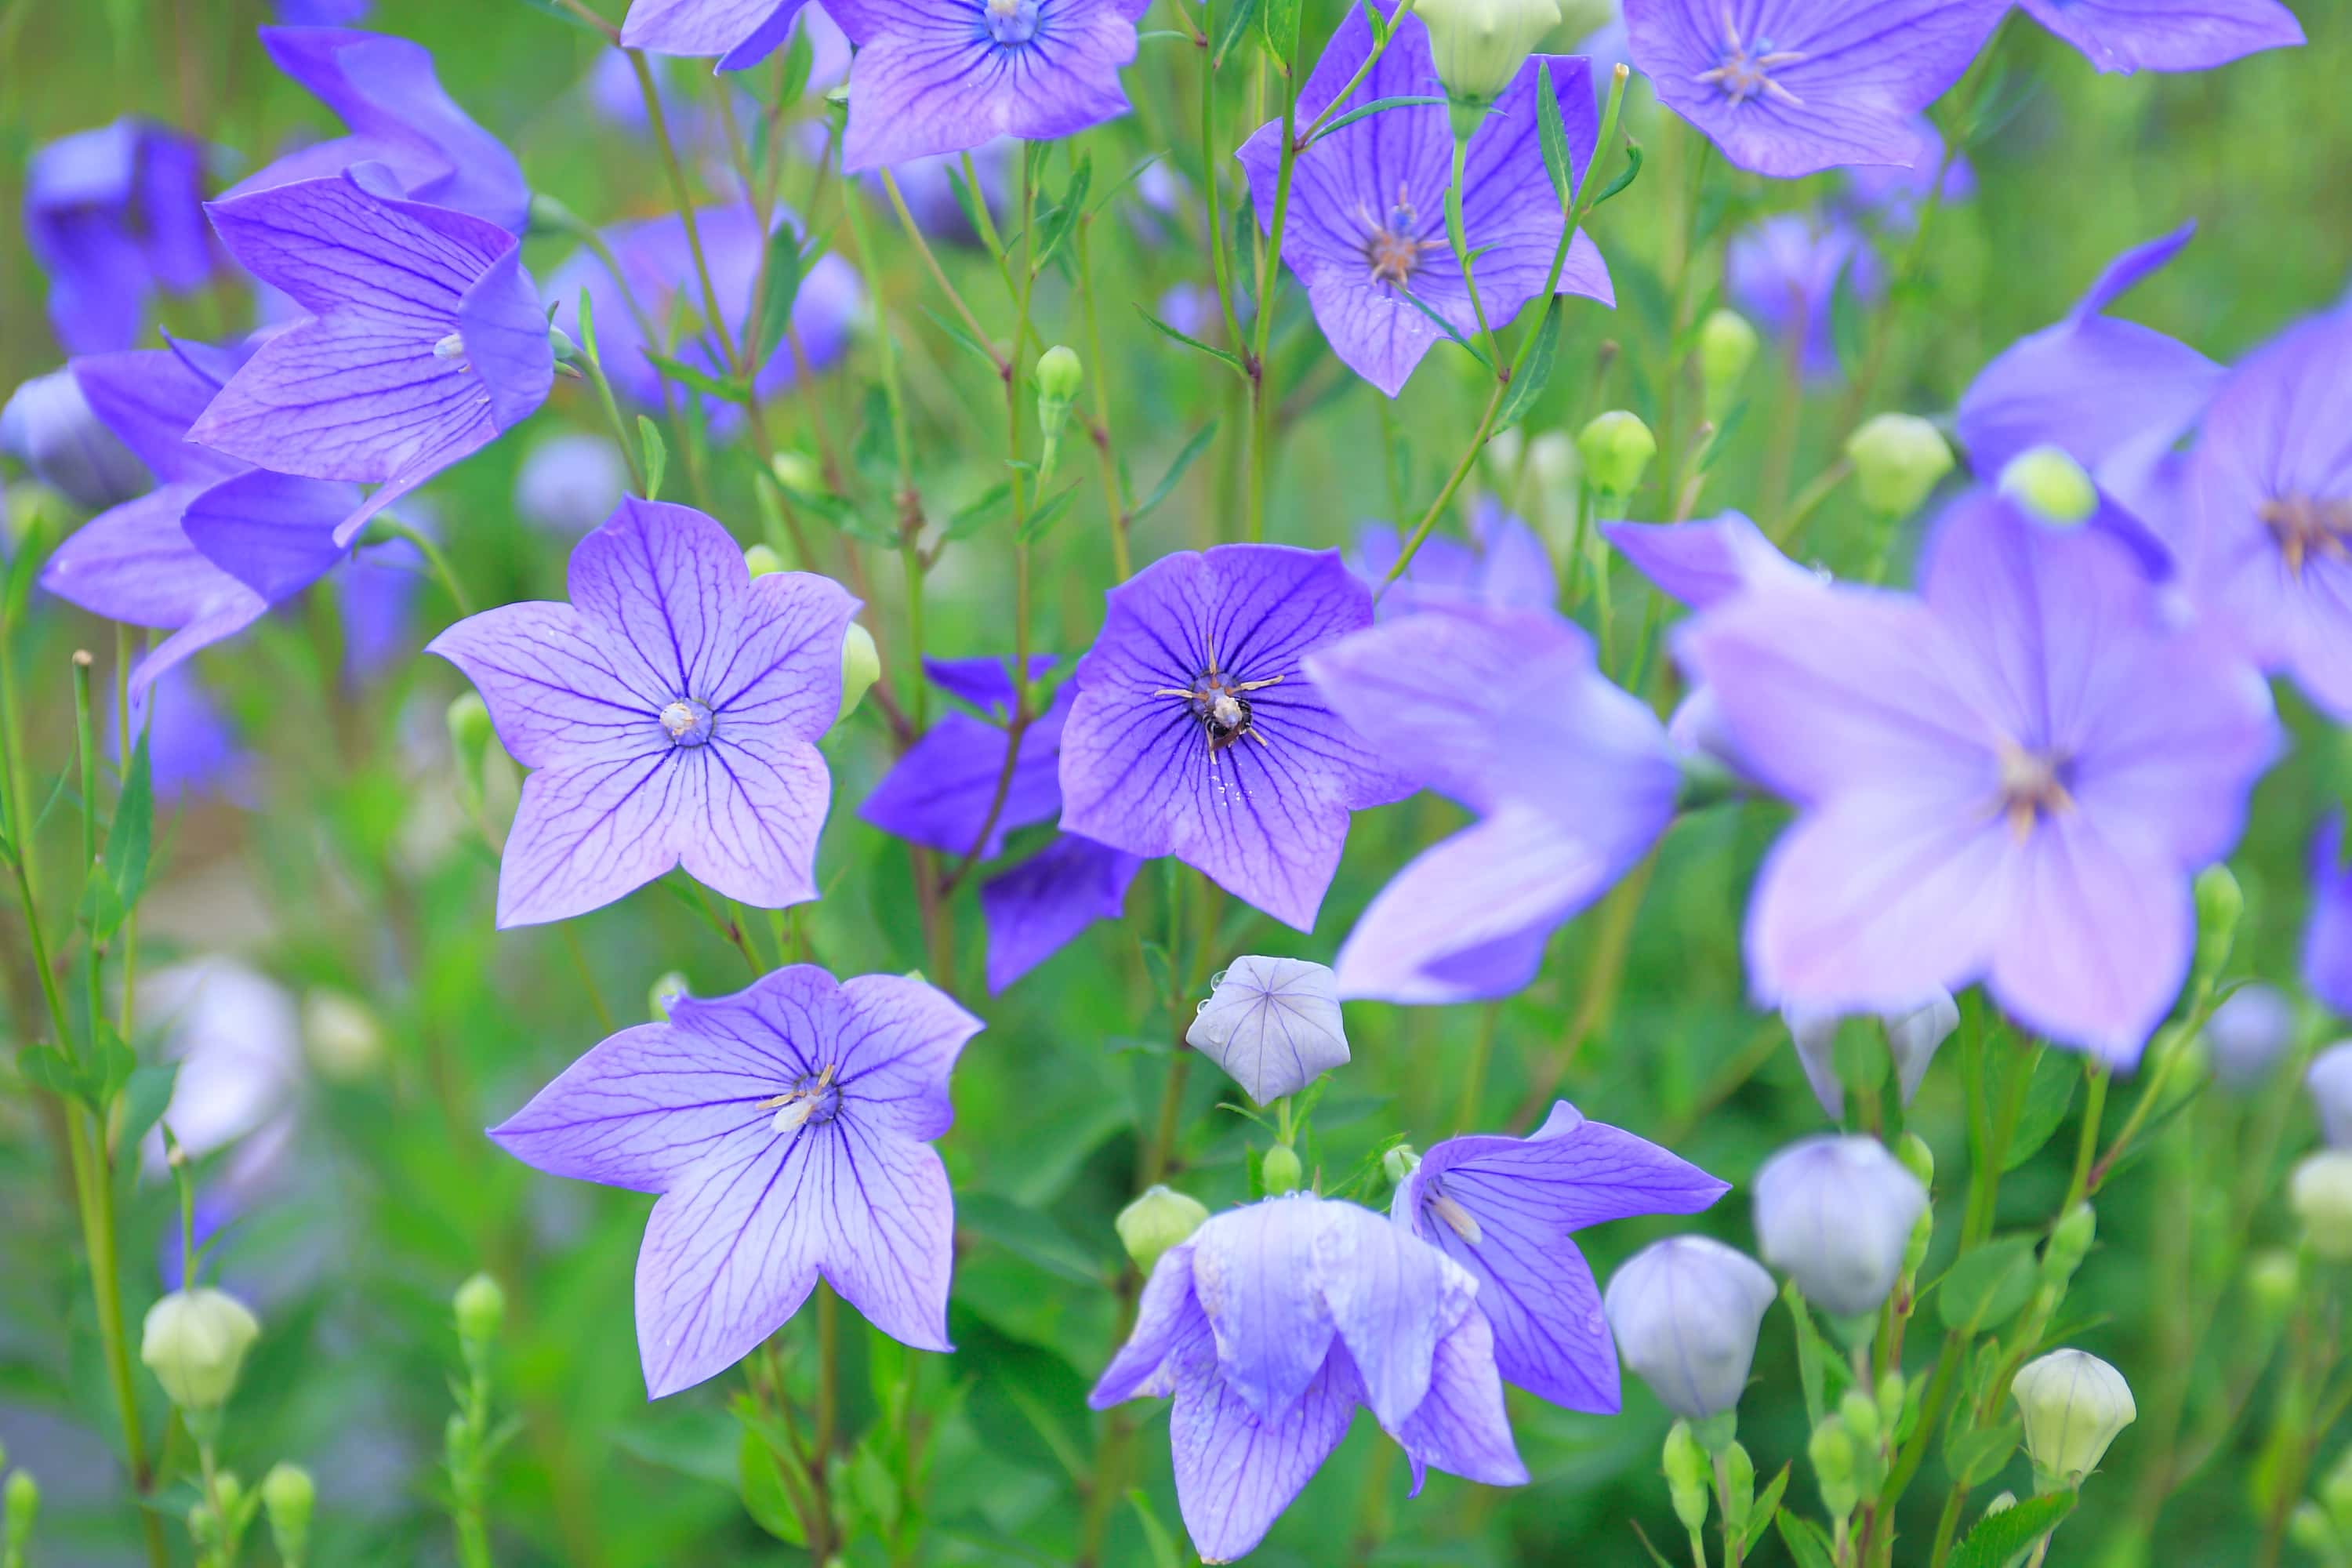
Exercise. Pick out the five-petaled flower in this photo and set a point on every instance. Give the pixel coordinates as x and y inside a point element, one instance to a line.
<point>671,710</point>
<point>787,1128</point>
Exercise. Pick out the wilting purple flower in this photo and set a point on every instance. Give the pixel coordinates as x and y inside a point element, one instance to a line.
<point>1783,273</point>
<point>659,263</point>
<point>2330,1083</point>
<point>192,748</point>
<point>2327,939</point>
<point>2247,1033</point>
<point>1685,1312</point>
<point>1572,779</point>
<point>1503,565</point>
<point>741,32</point>
<point>2166,34</point>
<point>2011,778</point>
<point>1914,1034</point>
<point>671,711</point>
<point>1367,217</point>
<point>424,341</point>
<point>49,427</point>
<point>1506,1210</point>
<point>112,215</point>
<point>1835,1213</point>
<point>944,76</point>
<point>1894,193</point>
<point>787,1128</point>
<point>1270,1324</point>
<point>2272,475</point>
<point>1272,1024</point>
<point>570,482</point>
<point>1788,88</point>
<point>1196,734</point>
<point>1040,906</point>
<point>385,88</point>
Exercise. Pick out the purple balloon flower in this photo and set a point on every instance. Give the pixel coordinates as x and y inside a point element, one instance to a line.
<point>1572,780</point>
<point>192,748</point>
<point>1788,88</point>
<point>423,343</point>
<point>112,215</point>
<point>48,426</point>
<point>945,76</point>
<point>2166,34</point>
<point>569,482</point>
<point>1367,218</point>
<point>1195,734</point>
<point>2327,940</point>
<point>1503,565</point>
<point>385,88</point>
<point>2271,552</point>
<point>1894,193</point>
<point>1783,273</point>
<point>1702,563</point>
<point>671,709</point>
<point>1506,1210</point>
<point>2011,777</point>
<point>741,32</point>
<point>1040,906</point>
<point>1270,1324</point>
<point>788,1130</point>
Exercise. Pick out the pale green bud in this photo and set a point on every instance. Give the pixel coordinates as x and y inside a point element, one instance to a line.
<point>481,1309</point>
<point>1917,1158</point>
<point>2335,1492</point>
<point>471,736</point>
<point>2070,1243</point>
<point>1400,1162</point>
<point>1831,1449</point>
<point>1157,1221</point>
<point>288,1495</point>
<point>23,1497</point>
<point>1281,1169</point>
<point>1059,376</point>
<point>1481,43</point>
<point>2221,903</point>
<point>1891,1394</point>
<point>798,473</point>
<point>1859,1412</point>
<point>2047,482</point>
<point>2274,1282</point>
<point>1615,449</point>
<point>1685,1466</point>
<point>1727,347</point>
<point>762,561</point>
<point>1738,1487</point>
<point>2073,1404</point>
<point>664,994</point>
<point>232,1494</point>
<point>1898,459</point>
<point>341,1036</point>
<point>2309,1529</point>
<point>2321,1193</point>
<point>195,1343</point>
<point>861,666</point>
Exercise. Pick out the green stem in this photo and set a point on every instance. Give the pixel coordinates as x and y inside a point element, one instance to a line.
<point>2095,1105</point>
<point>1269,277</point>
<point>1097,368</point>
<point>828,1406</point>
<point>434,558</point>
<point>587,976</point>
<point>939,274</point>
<point>1211,186</point>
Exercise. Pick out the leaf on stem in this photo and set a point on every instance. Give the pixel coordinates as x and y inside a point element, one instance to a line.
<point>700,381</point>
<point>1235,22</point>
<point>1553,137</point>
<point>1805,1540</point>
<point>1534,374</point>
<point>1378,106</point>
<point>1046,516</point>
<point>787,264</point>
<point>1997,1537</point>
<point>1617,186</point>
<point>1473,350</point>
<point>1184,460</point>
<point>1984,1288</point>
<point>1231,360</point>
<point>657,451</point>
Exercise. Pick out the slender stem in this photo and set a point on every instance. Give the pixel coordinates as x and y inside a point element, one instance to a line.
<point>1474,1077</point>
<point>2095,1105</point>
<point>1114,505</point>
<point>1604,975</point>
<point>434,558</point>
<point>1269,277</point>
<point>587,976</point>
<point>1452,482</point>
<point>828,1405</point>
<point>1212,189</point>
<point>128,980</point>
<point>939,274</point>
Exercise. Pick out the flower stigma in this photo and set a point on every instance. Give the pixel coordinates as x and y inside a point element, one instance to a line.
<point>1220,706</point>
<point>687,721</point>
<point>813,1098</point>
<point>2306,526</point>
<point>1393,249</point>
<point>1745,71</point>
<point>1459,1220</point>
<point>2031,788</point>
<point>451,350</point>
<point>1012,21</point>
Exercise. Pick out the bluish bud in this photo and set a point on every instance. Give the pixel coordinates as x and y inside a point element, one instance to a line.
<point>48,426</point>
<point>664,994</point>
<point>2330,1081</point>
<point>480,1308</point>
<point>1685,1313</point>
<point>2219,903</point>
<point>1898,459</point>
<point>1727,347</point>
<point>23,1497</point>
<point>2051,485</point>
<point>288,1495</point>
<point>1480,45</point>
<point>1281,1170</point>
<point>2070,1243</point>
<point>1157,1221</point>
<point>1615,450</point>
<point>1831,1450</point>
<point>2248,1034</point>
<point>2073,1405</point>
<point>1835,1213</point>
<point>195,1343</point>
<point>762,561</point>
<point>2321,1193</point>
<point>1685,1467</point>
<point>861,666</point>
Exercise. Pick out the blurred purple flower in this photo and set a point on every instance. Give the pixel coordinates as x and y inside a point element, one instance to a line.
<point>2248,1034</point>
<point>1270,1324</point>
<point>423,342</point>
<point>1506,1210</point>
<point>1787,88</point>
<point>2329,1080</point>
<point>377,591</point>
<point>1783,273</point>
<point>2166,34</point>
<point>788,1130</point>
<point>192,748</point>
<point>671,711</point>
<point>1189,307</point>
<point>1702,563</point>
<point>1607,47</point>
<point>1894,193</point>
<point>570,482</point>
<point>929,187</point>
<point>1195,734</point>
<point>1040,906</point>
<point>1914,1034</point>
<point>237,1035</point>
<point>1366,219</point>
<point>2327,939</point>
<point>1503,565</point>
<point>1572,779</point>
<point>321,13</point>
<point>2011,778</point>
<point>741,32</point>
<point>49,427</point>
<point>112,215</point>
<point>384,89</point>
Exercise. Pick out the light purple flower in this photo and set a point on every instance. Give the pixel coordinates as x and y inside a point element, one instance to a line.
<point>1502,565</point>
<point>423,343</point>
<point>321,13</point>
<point>1506,1210</point>
<point>112,215</point>
<point>671,711</point>
<point>2166,34</point>
<point>1273,1024</point>
<point>2248,1034</point>
<point>2011,778</point>
<point>741,32</point>
<point>1685,1312</point>
<point>788,1130</point>
<point>2327,938</point>
<point>192,747</point>
<point>1702,563</point>
<point>48,426</point>
<point>1784,272</point>
<point>944,76</point>
<point>1366,216</point>
<point>927,186</point>
<point>1040,906</point>
<point>384,89</point>
<point>1894,193</point>
<point>1504,711</point>
<point>1195,733</point>
<point>570,482</point>
<point>1270,1324</point>
<point>2272,477</point>
<point>1788,88</point>
<point>1835,1213</point>
<point>376,592</point>
<point>2329,1080</point>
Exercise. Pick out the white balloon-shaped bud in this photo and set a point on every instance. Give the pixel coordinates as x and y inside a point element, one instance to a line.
<point>1836,1214</point>
<point>1685,1313</point>
<point>1272,1024</point>
<point>2073,1404</point>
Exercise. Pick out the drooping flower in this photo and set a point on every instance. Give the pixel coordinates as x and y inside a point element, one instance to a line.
<point>1272,1024</point>
<point>741,32</point>
<point>569,482</point>
<point>48,426</point>
<point>112,216</point>
<point>1914,1034</point>
<point>1504,711</point>
<point>2271,552</point>
<point>2327,938</point>
<point>1506,1210</point>
<point>424,340</point>
<point>788,1130</point>
<point>671,711</point>
<point>1503,565</point>
<point>2011,777</point>
<point>1784,272</point>
<point>949,75</point>
<point>1270,1324</point>
<point>1195,733</point>
<point>1365,223</point>
<point>1836,1214</point>
<point>2166,34</point>
<point>1787,88</point>
<point>385,88</point>
<point>1685,1312</point>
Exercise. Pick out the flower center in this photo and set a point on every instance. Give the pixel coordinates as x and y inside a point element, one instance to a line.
<point>1221,705</point>
<point>1459,1220</point>
<point>687,721</point>
<point>1393,247</point>
<point>2032,787</point>
<point>451,350</point>
<point>1746,70</point>
<point>2306,526</point>
<point>813,1099</point>
<point>1012,21</point>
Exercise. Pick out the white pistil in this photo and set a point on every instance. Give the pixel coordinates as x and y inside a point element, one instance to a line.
<point>1458,1219</point>
<point>451,350</point>
<point>795,1106</point>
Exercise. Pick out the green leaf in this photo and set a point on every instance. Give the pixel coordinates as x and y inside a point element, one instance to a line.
<point>1156,1538</point>
<point>1229,28</point>
<point>1046,516</point>
<point>130,838</point>
<point>1378,106</point>
<point>586,316</point>
<point>1553,136</point>
<point>1030,1235</point>
<point>765,1498</point>
<point>700,381</point>
<point>1278,25</point>
<point>1473,350</point>
<point>1812,1353</point>
<point>1533,376</point>
<point>1062,218</point>
<point>46,1067</point>
<point>143,1099</point>
<point>2047,1097</point>
<point>1973,1457</point>
<point>799,57</point>
<point>979,350</point>
<point>845,517</point>
<point>1805,1540</point>
<point>657,450</point>
<point>1168,482</point>
<point>786,267</point>
<point>1997,1537</point>
<point>1768,1503</point>
<point>1233,361</point>
<point>1983,1290</point>
<point>979,512</point>
<point>1616,187</point>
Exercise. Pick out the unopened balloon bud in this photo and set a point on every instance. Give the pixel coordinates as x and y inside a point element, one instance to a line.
<point>2219,903</point>
<point>2274,1282</point>
<point>1281,1170</point>
<point>23,1497</point>
<point>288,1495</point>
<point>195,1343</point>
<point>480,1308</point>
<point>341,1036</point>
<point>1400,1162</point>
<point>2050,484</point>
<point>1738,1487</point>
<point>1615,450</point>
<point>861,666</point>
<point>664,994</point>
<point>798,473</point>
<point>1157,1221</point>
<point>1898,459</point>
<point>2070,1243</point>
<point>1685,1466</point>
<point>1727,347</point>
<point>1831,1450</point>
<point>2321,1193</point>
<point>2072,1404</point>
<point>1479,45</point>
<point>1859,1411</point>
<point>762,561</point>
<point>471,735</point>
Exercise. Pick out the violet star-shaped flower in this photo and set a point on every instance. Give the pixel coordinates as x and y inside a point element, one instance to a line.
<point>1502,563</point>
<point>2327,937</point>
<point>787,1128</point>
<point>2166,34</point>
<point>671,711</point>
<point>1194,734</point>
<point>1572,779</point>
<point>1270,1324</point>
<point>1788,88</point>
<point>1366,222</point>
<point>112,215</point>
<point>741,32</point>
<point>424,340</point>
<point>946,76</point>
<point>385,88</point>
<point>1784,272</point>
<point>2010,777</point>
<point>1506,1209</point>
